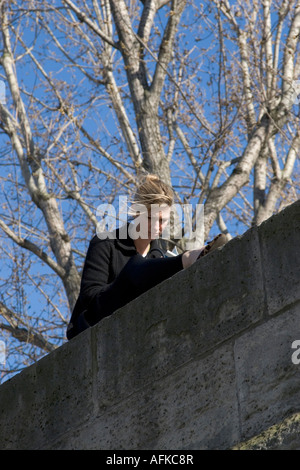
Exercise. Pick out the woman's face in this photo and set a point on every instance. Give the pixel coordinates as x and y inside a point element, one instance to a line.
<point>158,218</point>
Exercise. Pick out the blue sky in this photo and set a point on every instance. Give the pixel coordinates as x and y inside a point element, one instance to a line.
<point>101,122</point>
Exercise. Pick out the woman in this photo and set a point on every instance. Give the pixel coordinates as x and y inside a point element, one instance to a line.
<point>119,269</point>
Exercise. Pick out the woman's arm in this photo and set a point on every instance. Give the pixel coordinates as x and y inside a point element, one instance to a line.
<point>96,270</point>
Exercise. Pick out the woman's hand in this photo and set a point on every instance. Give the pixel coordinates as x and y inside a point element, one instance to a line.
<point>189,257</point>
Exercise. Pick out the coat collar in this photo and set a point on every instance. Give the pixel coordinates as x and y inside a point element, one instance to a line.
<point>124,240</point>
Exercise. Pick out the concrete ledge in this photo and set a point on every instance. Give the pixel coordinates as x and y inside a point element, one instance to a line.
<point>281,436</point>
<point>202,361</point>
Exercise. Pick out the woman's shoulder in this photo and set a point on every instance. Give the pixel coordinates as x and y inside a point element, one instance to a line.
<point>101,241</point>
<point>111,238</point>
<point>97,242</point>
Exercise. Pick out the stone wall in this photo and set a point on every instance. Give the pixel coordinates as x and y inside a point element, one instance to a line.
<point>202,361</point>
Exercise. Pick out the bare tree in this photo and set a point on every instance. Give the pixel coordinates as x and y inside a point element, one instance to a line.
<point>99,91</point>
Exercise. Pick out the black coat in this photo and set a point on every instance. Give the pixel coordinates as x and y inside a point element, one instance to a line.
<point>104,261</point>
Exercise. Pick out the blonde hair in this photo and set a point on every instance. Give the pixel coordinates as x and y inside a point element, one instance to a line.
<point>152,190</point>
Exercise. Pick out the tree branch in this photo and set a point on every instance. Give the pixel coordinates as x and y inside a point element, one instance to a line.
<point>28,245</point>
<point>82,17</point>
<point>166,48</point>
<point>288,65</point>
<point>27,335</point>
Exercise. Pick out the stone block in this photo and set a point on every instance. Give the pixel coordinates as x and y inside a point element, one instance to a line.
<point>267,379</point>
<point>220,296</point>
<point>193,408</point>
<point>280,248</point>
<point>47,398</point>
